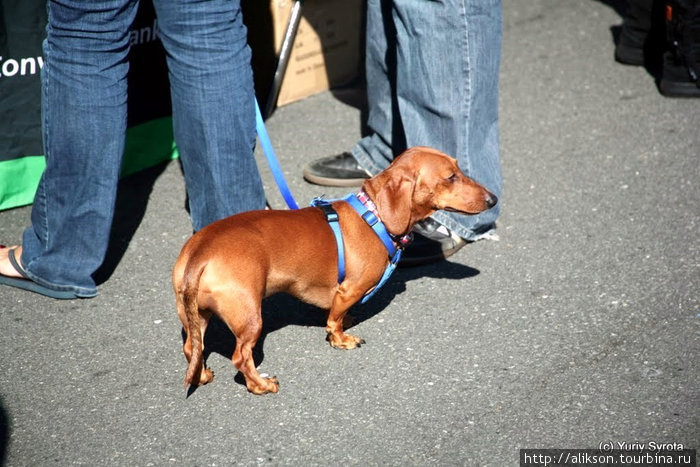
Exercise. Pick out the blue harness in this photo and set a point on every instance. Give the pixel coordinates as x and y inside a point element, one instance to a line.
<point>377,226</point>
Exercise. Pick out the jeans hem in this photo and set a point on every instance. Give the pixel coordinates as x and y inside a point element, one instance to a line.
<point>80,292</point>
<point>364,159</point>
<point>471,232</point>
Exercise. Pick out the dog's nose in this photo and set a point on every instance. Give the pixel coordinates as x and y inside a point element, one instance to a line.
<point>491,199</point>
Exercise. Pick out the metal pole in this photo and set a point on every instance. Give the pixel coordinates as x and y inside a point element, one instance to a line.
<point>283,59</point>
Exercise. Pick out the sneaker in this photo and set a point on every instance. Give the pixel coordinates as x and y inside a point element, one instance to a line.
<point>432,242</point>
<point>339,170</point>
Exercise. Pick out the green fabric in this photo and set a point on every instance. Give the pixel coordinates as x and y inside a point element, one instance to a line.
<point>19,179</point>
<point>147,145</point>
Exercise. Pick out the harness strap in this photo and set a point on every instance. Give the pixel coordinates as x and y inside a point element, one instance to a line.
<point>385,277</point>
<point>373,221</point>
<point>332,218</point>
<point>377,226</point>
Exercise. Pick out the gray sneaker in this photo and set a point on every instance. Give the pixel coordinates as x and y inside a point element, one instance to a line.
<point>432,242</point>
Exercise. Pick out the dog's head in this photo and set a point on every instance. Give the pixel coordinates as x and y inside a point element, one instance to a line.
<point>421,181</point>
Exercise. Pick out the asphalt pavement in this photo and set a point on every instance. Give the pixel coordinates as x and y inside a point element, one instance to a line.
<point>580,327</point>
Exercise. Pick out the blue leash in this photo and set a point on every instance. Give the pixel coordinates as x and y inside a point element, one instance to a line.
<point>272,159</point>
<point>331,216</point>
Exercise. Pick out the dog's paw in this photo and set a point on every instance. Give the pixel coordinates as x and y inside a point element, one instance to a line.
<point>344,341</point>
<point>206,377</point>
<point>266,385</point>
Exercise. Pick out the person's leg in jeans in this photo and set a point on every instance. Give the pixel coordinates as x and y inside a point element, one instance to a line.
<point>432,80</point>
<point>474,122</point>
<point>84,122</point>
<point>386,137</point>
<point>212,93</point>
<point>375,151</point>
<point>444,90</point>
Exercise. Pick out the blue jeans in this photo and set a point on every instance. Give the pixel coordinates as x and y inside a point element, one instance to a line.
<point>432,80</point>
<point>84,95</point>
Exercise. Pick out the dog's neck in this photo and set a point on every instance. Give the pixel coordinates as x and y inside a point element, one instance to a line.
<point>401,241</point>
<point>367,201</point>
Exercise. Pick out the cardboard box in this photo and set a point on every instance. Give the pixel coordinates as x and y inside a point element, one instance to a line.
<point>326,52</point>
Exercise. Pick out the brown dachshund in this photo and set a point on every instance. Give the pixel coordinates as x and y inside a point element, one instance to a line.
<point>228,267</point>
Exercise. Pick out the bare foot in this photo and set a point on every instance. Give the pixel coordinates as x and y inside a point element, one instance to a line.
<point>6,268</point>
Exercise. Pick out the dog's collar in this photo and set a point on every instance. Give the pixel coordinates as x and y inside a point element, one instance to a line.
<point>367,210</point>
<point>399,241</point>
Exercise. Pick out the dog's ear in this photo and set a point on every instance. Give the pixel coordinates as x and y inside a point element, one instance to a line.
<point>395,204</point>
<point>392,192</point>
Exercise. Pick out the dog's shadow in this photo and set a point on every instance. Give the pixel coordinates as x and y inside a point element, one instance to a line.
<point>283,310</point>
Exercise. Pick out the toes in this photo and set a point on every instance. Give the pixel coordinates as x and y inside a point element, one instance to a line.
<point>270,385</point>
<point>346,341</point>
<point>206,377</point>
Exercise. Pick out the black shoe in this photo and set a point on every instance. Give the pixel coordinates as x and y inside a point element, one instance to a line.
<point>432,242</point>
<point>634,33</point>
<point>641,39</point>
<point>630,47</point>
<point>678,80</point>
<point>680,75</point>
<point>629,54</point>
<point>340,170</point>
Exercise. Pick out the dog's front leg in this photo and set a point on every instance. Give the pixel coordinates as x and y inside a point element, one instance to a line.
<point>334,325</point>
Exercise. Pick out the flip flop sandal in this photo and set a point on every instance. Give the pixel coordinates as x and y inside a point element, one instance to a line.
<point>26,283</point>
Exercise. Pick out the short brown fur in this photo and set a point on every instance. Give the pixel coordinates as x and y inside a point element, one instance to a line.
<point>228,267</point>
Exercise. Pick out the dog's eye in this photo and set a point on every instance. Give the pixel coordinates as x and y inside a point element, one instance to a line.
<point>452,178</point>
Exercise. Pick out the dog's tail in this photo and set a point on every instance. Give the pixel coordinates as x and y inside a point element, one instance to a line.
<point>188,295</point>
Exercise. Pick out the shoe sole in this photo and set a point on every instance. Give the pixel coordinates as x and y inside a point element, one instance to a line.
<point>679,89</point>
<point>325,181</point>
<point>29,286</point>
<point>631,57</point>
<point>24,283</point>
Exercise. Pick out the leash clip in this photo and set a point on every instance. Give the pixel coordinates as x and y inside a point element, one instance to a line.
<point>325,206</point>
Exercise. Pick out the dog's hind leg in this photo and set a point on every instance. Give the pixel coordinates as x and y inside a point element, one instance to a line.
<point>243,316</point>
<point>206,375</point>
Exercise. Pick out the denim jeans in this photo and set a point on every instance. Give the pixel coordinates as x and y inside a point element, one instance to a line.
<point>432,80</point>
<point>84,95</point>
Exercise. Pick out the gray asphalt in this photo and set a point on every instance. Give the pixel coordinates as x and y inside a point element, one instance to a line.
<point>580,326</point>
